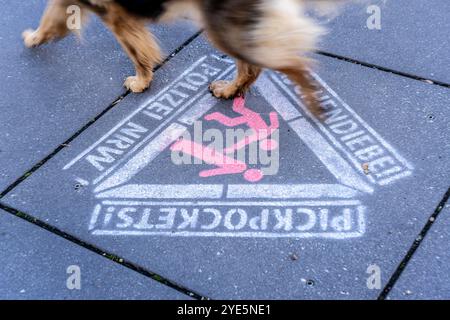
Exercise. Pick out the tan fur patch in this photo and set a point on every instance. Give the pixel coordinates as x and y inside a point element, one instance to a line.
<point>53,24</point>
<point>284,34</point>
<point>183,9</point>
<point>137,41</point>
<point>246,76</point>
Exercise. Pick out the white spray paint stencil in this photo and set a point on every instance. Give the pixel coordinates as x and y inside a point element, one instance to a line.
<point>355,155</point>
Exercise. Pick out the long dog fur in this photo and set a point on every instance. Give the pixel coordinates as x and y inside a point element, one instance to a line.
<point>273,34</point>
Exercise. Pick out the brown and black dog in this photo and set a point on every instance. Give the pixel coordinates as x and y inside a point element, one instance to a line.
<point>273,34</point>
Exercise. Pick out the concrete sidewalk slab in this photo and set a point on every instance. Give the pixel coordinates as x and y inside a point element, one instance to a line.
<point>350,193</point>
<point>50,92</point>
<point>37,264</point>
<point>411,39</point>
<point>427,276</point>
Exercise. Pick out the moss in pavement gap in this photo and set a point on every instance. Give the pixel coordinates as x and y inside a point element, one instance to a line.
<point>157,278</point>
<point>21,215</point>
<point>113,257</point>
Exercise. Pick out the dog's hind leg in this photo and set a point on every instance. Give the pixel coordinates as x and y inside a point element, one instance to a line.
<point>299,75</point>
<point>139,44</point>
<point>269,34</point>
<point>246,76</point>
<point>54,23</point>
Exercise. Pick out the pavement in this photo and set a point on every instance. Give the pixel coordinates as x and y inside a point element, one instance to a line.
<point>93,204</point>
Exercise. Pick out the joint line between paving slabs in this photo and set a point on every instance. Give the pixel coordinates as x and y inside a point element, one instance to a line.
<point>91,122</point>
<point>110,256</point>
<point>384,69</point>
<point>419,239</point>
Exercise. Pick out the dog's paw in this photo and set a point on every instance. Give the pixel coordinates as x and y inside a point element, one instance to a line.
<point>136,84</point>
<point>30,38</point>
<point>223,89</point>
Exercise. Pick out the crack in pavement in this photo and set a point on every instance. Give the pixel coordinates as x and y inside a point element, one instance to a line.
<point>384,69</point>
<point>417,242</point>
<point>105,254</point>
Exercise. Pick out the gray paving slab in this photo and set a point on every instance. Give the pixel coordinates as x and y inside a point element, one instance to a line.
<point>412,38</point>
<point>349,193</point>
<point>37,264</point>
<point>51,92</point>
<point>427,275</point>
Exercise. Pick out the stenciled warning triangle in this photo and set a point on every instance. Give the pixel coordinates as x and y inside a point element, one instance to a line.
<point>351,181</point>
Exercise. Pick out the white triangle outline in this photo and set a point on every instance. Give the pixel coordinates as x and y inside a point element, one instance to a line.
<point>351,183</point>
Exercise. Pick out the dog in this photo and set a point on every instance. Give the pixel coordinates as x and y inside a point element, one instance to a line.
<point>259,34</point>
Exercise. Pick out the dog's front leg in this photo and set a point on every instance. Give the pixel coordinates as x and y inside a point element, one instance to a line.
<point>139,44</point>
<point>53,24</point>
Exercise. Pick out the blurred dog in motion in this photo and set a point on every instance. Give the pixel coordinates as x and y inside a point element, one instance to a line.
<point>259,34</point>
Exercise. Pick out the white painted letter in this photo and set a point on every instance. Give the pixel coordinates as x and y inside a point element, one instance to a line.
<point>74,280</point>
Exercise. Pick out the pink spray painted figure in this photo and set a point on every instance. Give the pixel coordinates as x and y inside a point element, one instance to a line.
<point>225,164</point>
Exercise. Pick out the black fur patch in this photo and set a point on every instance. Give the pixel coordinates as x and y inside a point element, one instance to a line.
<point>99,10</point>
<point>144,8</point>
<point>234,12</point>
